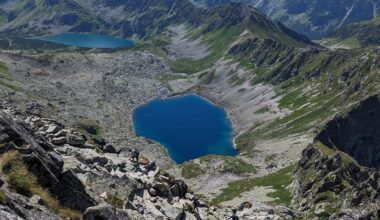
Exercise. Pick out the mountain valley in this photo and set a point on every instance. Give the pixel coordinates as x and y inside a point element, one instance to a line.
<point>304,112</point>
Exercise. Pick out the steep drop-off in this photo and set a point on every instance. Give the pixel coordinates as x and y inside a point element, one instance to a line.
<point>338,175</point>
<point>357,134</point>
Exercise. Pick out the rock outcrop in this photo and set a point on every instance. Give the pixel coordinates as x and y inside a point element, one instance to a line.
<point>43,162</point>
<point>338,175</point>
<point>357,133</point>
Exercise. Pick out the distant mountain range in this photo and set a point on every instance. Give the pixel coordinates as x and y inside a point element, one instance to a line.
<point>315,18</point>
<point>122,18</point>
<point>135,18</point>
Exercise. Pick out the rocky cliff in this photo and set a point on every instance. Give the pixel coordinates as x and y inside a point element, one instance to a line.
<point>338,175</point>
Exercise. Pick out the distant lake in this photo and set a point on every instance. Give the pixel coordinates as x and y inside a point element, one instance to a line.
<point>187,126</point>
<point>87,40</point>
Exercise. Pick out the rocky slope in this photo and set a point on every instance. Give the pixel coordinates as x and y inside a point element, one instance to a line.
<point>297,74</point>
<point>90,91</point>
<point>315,19</point>
<point>337,176</point>
<point>52,172</point>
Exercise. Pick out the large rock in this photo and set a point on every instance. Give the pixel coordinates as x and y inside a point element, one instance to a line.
<point>171,211</point>
<point>59,140</point>
<point>75,140</point>
<point>105,212</point>
<point>71,192</point>
<point>8,214</point>
<point>161,189</point>
<point>18,207</point>
<point>109,148</point>
<point>52,129</point>
<point>179,189</point>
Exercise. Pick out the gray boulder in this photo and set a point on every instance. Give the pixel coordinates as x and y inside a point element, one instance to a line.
<point>59,140</point>
<point>171,211</point>
<point>105,212</point>
<point>75,140</point>
<point>109,148</point>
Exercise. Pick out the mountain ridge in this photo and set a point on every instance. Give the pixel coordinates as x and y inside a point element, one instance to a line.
<point>315,19</point>
<point>144,18</point>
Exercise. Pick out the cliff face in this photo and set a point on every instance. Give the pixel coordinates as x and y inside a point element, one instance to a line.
<point>338,175</point>
<point>357,134</point>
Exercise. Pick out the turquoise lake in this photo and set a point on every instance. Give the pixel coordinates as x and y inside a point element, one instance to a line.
<point>187,126</point>
<point>88,40</point>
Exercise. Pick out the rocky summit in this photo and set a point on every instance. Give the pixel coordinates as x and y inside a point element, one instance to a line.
<point>295,82</point>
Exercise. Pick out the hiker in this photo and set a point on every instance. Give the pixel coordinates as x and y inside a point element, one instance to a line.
<point>196,203</point>
<point>244,205</point>
<point>234,216</point>
<point>134,154</point>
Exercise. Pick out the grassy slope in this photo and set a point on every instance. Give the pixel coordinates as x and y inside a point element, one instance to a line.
<point>362,34</point>
<point>314,99</point>
<point>24,183</point>
<point>218,40</point>
<point>192,169</point>
<point>279,181</point>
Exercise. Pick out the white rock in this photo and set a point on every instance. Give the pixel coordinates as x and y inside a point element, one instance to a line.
<point>60,133</point>
<point>52,129</point>
<point>59,140</point>
<point>104,195</point>
<point>190,216</point>
<point>170,211</point>
<point>189,196</point>
<point>153,210</point>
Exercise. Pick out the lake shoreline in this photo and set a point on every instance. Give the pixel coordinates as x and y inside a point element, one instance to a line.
<point>87,41</point>
<point>170,147</point>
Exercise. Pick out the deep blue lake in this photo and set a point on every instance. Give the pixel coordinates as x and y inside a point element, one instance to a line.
<point>88,40</point>
<point>187,126</point>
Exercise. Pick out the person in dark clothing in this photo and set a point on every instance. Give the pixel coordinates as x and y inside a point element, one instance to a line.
<point>196,203</point>
<point>244,205</point>
<point>234,216</point>
<point>134,154</point>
